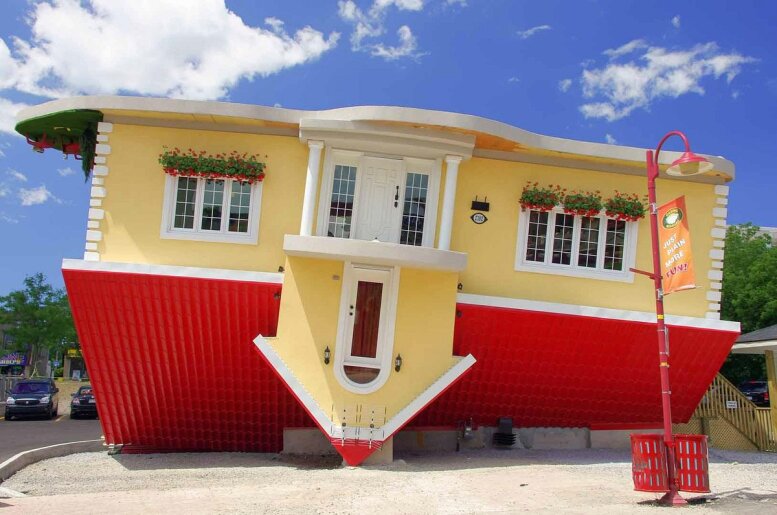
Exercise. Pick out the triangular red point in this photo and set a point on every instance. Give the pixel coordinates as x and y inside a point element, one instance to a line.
<point>353,455</point>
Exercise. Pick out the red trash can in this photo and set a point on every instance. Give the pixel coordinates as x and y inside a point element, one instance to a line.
<point>648,463</point>
<point>693,466</point>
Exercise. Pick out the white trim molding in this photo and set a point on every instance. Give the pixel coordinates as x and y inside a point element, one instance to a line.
<point>717,252</point>
<point>594,312</point>
<point>174,271</point>
<point>378,117</point>
<point>98,192</point>
<point>336,431</point>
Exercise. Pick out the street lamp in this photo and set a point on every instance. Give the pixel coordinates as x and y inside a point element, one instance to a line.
<point>687,165</point>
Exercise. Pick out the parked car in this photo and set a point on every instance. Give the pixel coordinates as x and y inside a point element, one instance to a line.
<point>756,391</point>
<point>32,397</point>
<point>83,403</point>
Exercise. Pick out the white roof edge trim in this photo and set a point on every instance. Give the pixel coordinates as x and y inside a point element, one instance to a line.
<point>754,347</point>
<point>173,271</point>
<point>360,113</point>
<point>594,312</point>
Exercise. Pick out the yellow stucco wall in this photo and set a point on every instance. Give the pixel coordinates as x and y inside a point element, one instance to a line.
<point>491,247</point>
<point>135,189</point>
<point>308,324</point>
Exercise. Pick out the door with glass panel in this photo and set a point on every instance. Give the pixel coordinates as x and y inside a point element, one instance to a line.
<point>378,203</point>
<point>379,199</point>
<point>365,324</point>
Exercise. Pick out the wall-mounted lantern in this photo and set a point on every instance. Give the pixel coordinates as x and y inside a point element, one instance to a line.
<point>327,355</point>
<point>398,362</point>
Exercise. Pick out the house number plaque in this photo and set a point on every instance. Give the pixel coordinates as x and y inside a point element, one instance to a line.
<point>479,218</point>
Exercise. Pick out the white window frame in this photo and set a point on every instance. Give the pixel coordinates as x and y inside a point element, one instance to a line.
<point>384,359</point>
<point>574,270</point>
<point>169,232</point>
<point>338,156</point>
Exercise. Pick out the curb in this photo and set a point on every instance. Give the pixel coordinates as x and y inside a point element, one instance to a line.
<point>14,464</point>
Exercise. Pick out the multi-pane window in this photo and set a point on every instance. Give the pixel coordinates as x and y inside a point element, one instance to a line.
<point>614,244</point>
<point>341,205</point>
<point>537,237</point>
<point>588,251</point>
<point>209,206</point>
<point>414,210</point>
<point>561,241</point>
<point>562,238</point>
<point>185,203</point>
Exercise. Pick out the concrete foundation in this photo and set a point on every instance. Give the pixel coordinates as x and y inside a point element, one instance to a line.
<point>312,441</point>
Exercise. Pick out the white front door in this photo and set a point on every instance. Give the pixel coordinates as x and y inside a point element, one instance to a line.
<point>380,199</point>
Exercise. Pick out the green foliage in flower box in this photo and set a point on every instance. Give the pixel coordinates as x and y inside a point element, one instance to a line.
<point>541,198</point>
<point>583,203</point>
<point>242,167</point>
<point>625,206</point>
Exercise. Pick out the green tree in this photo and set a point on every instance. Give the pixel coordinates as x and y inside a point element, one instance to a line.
<point>37,318</point>
<point>749,293</point>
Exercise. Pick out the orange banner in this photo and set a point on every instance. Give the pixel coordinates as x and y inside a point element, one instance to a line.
<point>674,241</point>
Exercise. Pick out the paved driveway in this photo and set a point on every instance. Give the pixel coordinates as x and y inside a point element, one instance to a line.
<point>22,435</point>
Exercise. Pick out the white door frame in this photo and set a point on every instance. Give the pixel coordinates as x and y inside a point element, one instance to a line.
<point>352,273</point>
<point>336,156</point>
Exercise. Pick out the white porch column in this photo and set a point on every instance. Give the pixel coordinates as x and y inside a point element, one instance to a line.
<point>446,222</point>
<point>311,185</point>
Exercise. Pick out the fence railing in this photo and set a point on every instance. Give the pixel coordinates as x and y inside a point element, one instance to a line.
<point>724,400</point>
<point>6,383</point>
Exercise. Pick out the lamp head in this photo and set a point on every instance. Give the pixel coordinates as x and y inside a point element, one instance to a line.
<point>689,164</point>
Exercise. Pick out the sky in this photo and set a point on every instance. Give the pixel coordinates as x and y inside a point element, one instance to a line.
<point>622,72</point>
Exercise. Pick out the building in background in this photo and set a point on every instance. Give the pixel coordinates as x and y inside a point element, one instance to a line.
<point>251,273</point>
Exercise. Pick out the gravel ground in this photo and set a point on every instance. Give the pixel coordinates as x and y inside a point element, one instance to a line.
<point>486,481</point>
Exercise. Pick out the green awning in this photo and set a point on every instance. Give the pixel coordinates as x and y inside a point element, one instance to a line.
<point>75,126</point>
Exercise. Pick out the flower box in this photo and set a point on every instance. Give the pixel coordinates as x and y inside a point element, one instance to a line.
<point>235,166</point>
<point>583,203</point>
<point>625,206</point>
<point>541,198</point>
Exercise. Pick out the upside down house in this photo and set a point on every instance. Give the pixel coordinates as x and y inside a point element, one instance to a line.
<point>253,271</point>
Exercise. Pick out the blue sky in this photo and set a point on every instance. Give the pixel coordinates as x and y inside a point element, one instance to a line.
<point>618,71</point>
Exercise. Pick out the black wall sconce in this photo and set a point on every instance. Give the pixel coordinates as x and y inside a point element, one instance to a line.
<point>480,205</point>
<point>398,362</point>
<point>281,270</point>
<point>327,355</point>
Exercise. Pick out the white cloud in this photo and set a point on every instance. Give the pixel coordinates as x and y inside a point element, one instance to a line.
<point>631,46</point>
<point>526,34</point>
<point>35,196</point>
<point>152,47</point>
<point>8,112</point>
<point>371,25</point>
<point>676,21</point>
<point>462,3</point>
<point>407,47</point>
<point>610,139</point>
<point>513,79</point>
<point>8,219</point>
<point>619,88</point>
<point>16,175</point>
<point>4,190</point>
<point>64,172</point>
<point>564,85</point>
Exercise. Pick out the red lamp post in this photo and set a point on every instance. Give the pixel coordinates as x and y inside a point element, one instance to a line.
<point>688,164</point>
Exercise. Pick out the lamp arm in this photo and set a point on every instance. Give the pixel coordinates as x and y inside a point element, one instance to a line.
<point>666,137</point>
